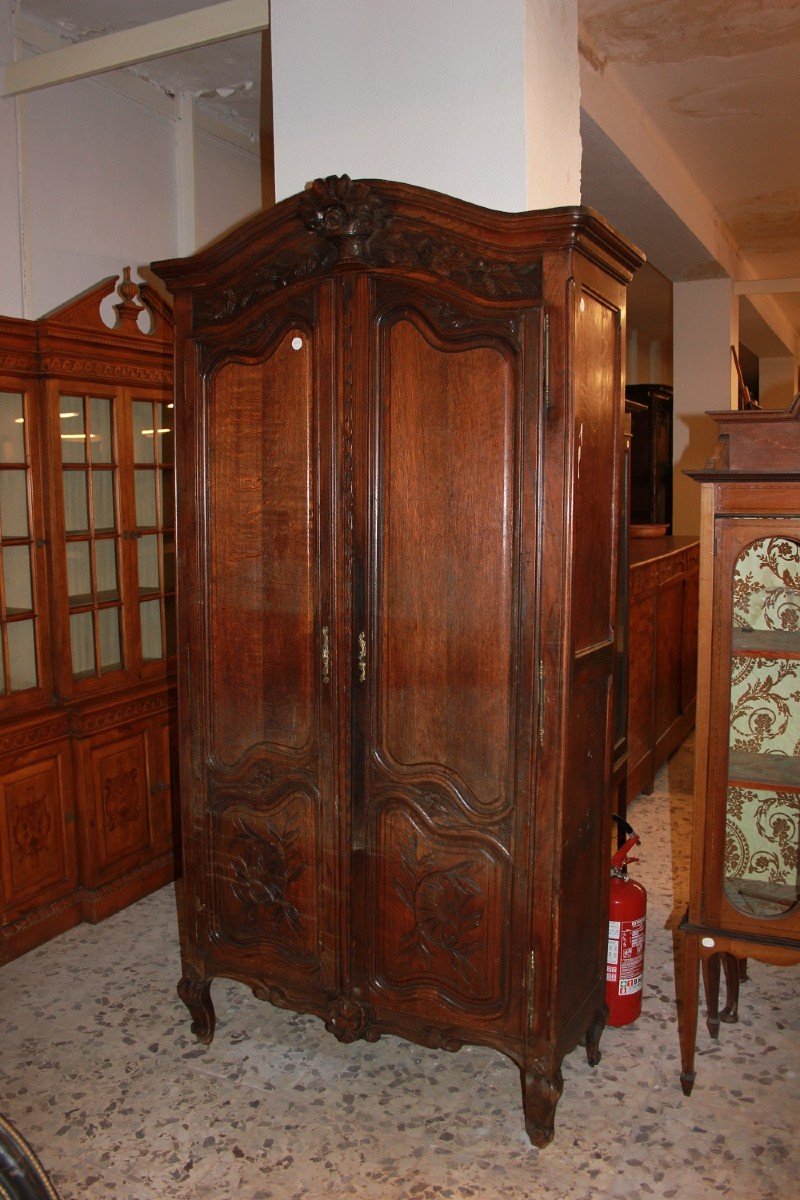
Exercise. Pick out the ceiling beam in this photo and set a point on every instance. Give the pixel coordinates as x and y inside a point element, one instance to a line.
<point>764,287</point>
<point>232,18</point>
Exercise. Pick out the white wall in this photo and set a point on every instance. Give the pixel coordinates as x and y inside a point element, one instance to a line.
<point>706,325</point>
<point>102,184</point>
<point>100,188</point>
<point>11,256</point>
<point>228,185</point>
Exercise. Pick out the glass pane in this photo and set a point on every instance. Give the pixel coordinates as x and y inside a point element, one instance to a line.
<point>148,564</point>
<point>143,432</point>
<point>105,561</point>
<point>82,638</point>
<point>110,653</point>
<point>79,578</point>
<point>166,439</point>
<point>73,430</point>
<point>100,429</point>
<point>169,624</point>
<point>22,656</point>
<point>145,483</point>
<point>167,499</point>
<point>12,428</point>
<point>17,579</point>
<point>76,506</point>
<point>13,503</point>
<point>169,563</point>
<point>762,827</point>
<point>103,501</point>
<point>150,615</point>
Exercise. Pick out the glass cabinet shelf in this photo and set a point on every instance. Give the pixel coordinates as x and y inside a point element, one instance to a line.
<point>778,770</point>
<point>766,641</point>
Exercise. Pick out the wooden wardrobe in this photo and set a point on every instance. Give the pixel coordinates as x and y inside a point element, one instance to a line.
<point>399,455</point>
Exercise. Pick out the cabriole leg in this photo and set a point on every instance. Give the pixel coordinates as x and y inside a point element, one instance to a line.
<point>542,1085</point>
<point>594,1033</point>
<point>195,992</point>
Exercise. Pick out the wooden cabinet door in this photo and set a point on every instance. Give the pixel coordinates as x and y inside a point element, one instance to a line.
<point>37,830</point>
<point>443,694</point>
<point>117,816</point>
<point>262,632</point>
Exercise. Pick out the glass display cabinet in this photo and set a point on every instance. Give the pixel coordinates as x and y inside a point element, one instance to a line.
<point>745,872</point>
<point>87,595</point>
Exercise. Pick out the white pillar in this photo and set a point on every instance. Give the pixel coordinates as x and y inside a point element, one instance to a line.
<point>552,103</point>
<point>777,381</point>
<point>439,93</point>
<point>11,260</point>
<point>705,325</point>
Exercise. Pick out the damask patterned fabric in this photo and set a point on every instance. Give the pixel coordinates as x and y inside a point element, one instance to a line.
<point>762,836</point>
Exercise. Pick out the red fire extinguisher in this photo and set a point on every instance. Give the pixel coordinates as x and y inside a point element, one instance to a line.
<point>626,930</point>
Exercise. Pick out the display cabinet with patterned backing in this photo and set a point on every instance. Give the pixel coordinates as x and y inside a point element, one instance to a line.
<point>745,879</point>
<point>86,609</point>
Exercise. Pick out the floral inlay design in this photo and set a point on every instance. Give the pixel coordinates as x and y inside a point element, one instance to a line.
<point>121,799</point>
<point>264,865</point>
<point>762,836</point>
<point>30,826</point>
<point>447,907</point>
<point>766,586</point>
<point>765,704</point>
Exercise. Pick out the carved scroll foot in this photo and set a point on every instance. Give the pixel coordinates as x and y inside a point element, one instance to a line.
<point>594,1033</point>
<point>542,1085</point>
<point>349,1020</point>
<point>195,992</point>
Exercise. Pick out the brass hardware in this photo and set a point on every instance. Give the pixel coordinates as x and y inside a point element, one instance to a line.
<point>541,704</point>
<point>532,991</point>
<point>326,655</point>
<point>362,657</point>
<point>546,362</point>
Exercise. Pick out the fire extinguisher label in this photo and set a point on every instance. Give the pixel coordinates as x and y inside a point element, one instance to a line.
<point>631,956</point>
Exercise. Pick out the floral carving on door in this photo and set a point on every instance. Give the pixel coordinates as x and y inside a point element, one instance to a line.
<point>447,907</point>
<point>264,865</point>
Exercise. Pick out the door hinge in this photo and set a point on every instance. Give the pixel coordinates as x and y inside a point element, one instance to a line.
<point>326,655</point>
<point>532,991</point>
<point>540,727</point>
<point>546,362</point>
<point>362,657</point>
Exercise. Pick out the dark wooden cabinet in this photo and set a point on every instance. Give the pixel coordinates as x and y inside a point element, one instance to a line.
<point>651,454</point>
<point>744,899</point>
<point>399,452</point>
<point>87,569</point>
<point>662,648</point>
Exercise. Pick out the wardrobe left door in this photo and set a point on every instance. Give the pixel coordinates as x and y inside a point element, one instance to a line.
<point>258,615</point>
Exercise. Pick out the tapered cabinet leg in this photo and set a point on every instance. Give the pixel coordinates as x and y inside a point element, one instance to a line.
<point>593,1035</point>
<point>711,967</point>
<point>195,992</point>
<point>732,966</point>
<point>542,1085</point>
<point>690,987</point>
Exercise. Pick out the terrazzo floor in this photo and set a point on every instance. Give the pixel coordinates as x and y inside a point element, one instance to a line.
<point>100,1073</point>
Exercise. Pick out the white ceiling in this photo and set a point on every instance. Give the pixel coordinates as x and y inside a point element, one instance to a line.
<point>719,79</point>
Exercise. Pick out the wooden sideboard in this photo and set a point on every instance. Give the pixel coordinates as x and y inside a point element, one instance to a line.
<point>662,653</point>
